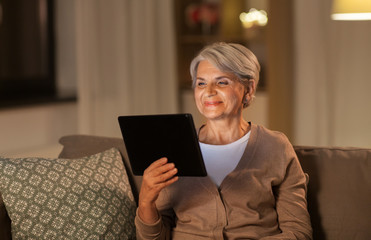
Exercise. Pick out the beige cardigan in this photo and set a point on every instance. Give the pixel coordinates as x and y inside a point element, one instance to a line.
<point>263,198</point>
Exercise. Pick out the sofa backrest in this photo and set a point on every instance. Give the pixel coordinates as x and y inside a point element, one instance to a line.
<point>339,189</point>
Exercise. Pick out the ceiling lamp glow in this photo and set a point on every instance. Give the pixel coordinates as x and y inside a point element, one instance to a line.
<point>351,10</point>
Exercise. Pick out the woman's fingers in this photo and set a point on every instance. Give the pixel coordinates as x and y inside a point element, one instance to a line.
<point>157,176</point>
<point>160,171</point>
<point>157,164</point>
<point>166,178</point>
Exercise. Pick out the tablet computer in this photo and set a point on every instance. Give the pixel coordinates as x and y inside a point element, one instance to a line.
<point>148,138</point>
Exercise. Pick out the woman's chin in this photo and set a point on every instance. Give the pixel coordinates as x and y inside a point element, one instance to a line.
<point>212,115</point>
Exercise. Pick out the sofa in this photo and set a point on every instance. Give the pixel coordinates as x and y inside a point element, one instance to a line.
<point>339,188</point>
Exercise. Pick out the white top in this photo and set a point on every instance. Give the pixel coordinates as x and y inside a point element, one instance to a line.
<point>220,160</point>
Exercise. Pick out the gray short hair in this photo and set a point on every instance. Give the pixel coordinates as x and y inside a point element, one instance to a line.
<point>229,57</point>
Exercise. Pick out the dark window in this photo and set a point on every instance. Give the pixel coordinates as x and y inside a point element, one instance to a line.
<point>27,62</point>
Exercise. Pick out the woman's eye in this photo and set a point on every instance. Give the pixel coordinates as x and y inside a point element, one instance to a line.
<point>223,83</point>
<point>201,84</point>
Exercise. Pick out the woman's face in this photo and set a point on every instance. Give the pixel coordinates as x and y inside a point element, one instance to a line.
<point>218,94</point>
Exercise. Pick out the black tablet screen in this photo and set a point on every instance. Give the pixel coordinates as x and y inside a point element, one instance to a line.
<point>151,137</point>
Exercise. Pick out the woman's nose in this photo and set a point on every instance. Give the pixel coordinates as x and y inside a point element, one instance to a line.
<point>211,90</point>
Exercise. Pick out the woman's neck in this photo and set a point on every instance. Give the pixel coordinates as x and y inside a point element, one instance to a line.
<point>220,132</point>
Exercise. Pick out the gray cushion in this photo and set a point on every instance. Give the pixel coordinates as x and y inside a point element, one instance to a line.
<point>339,191</point>
<point>84,198</point>
<point>75,146</point>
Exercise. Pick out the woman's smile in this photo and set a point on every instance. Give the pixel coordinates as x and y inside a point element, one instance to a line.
<point>212,103</point>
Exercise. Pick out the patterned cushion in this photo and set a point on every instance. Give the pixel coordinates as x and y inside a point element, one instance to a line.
<point>86,198</point>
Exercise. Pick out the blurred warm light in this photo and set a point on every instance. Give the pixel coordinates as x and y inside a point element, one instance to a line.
<point>351,10</point>
<point>254,18</point>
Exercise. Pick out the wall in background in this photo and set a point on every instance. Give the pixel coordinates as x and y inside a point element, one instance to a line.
<point>332,77</point>
<point>65,37</point>
<point>35,130</point>
<point>331,80</point>
<point>280,66</point>
<point>318,75</point>
<point>32,131</point>
<point>118,55</point>
<point>125,62</point>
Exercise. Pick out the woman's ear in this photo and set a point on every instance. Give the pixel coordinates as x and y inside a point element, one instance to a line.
<point>250,90</point>
<point>252,87</point>
<point>249,94</point>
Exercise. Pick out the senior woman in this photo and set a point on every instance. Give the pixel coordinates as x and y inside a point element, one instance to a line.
<point>255,188</point>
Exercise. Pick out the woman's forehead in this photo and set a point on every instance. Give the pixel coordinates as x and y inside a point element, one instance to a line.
<point>206,67</point>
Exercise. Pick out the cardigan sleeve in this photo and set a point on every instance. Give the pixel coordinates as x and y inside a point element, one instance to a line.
<point>160,230</point>
<point>291,203</point>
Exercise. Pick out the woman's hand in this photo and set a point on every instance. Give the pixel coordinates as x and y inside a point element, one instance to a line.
<point>156,177</point>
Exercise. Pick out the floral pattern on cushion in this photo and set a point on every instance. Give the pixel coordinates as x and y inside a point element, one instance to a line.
<point>86,198</point>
